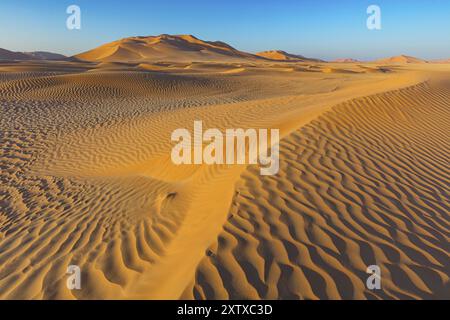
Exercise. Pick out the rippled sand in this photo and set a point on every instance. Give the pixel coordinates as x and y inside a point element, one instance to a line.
<point>87,179</point>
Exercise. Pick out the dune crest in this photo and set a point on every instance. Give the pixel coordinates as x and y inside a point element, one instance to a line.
<point>280,55</point>
<point>402,59</point>
<point>163,47</point>
<point>34,55</point>
<point>359,186</point>
<point>10,55</point>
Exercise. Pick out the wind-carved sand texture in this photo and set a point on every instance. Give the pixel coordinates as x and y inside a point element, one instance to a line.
<point>366,183</point>
<point>87,179</point>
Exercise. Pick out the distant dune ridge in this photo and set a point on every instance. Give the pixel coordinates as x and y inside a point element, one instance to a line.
<point>10,55</point>
<point>401,59</point>
<point>44,55</point>
<point>164,47</point>
<point>280,55</point>
<point>178,48</point>
<point>35,55</point>
<point>190,48</point>
<point>184,48</point>
<point>441,61</point>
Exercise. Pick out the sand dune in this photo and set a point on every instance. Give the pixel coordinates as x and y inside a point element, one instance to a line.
<point>400,60</point>
<point>35,55</point>
<point>44,55</point>
<point>346,60</point>
<point>442,61</point>
<point>280,55</point>
<point>10,55</point>
<point>86,178</point>
<point>164,47</point>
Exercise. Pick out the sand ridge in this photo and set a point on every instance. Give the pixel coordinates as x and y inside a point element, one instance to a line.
<point>87,180</point>
<point>363,203</point>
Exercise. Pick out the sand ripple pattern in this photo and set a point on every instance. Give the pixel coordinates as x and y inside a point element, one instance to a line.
<point>48,223</point>
<point>115,227</point>
<point>86,179</point>
<point>366,183</point>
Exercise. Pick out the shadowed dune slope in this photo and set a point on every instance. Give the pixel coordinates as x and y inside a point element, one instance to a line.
<point>10,55</point>
<point>34,55</point>
<point>366,183</point>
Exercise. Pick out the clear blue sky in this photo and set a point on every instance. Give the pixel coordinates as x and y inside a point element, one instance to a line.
<point>317,28</point>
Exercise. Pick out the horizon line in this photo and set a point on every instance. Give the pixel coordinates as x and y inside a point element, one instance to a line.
<point>251,51</point>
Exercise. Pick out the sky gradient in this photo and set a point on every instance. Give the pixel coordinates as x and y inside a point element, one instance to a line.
<point>320,29</point>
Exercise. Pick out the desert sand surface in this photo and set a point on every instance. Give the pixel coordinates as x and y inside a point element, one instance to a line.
<point>87,178</point>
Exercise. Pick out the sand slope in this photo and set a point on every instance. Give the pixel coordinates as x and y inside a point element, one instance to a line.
<point>35,55</point>
<point>367,183</point>
<point>86,179</point>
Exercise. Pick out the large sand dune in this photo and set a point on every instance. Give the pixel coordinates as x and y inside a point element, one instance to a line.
<point>371,181</point>
<point>281,55</point>
<point>34,55</point>
<point>86,179</point>
<point>401,59</point>
<point>164,47</point>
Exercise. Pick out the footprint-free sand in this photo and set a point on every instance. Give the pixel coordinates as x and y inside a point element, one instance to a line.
<point>87,179</point>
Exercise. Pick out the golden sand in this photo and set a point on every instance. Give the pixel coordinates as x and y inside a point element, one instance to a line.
<point>87,179</point>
